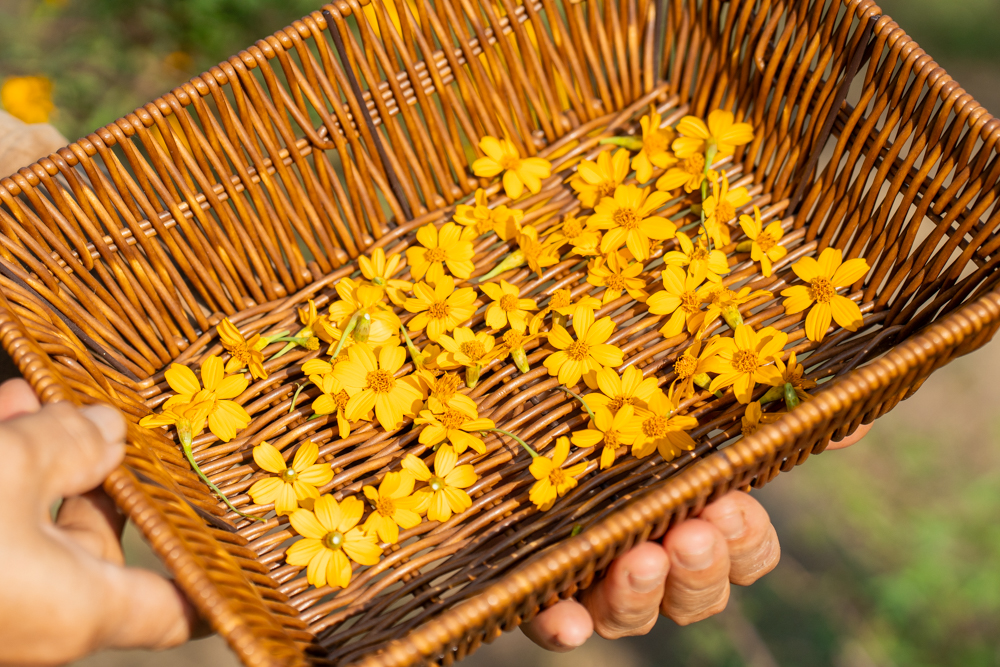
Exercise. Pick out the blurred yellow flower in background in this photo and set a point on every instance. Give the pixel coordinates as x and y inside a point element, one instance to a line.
<point>28,98</point>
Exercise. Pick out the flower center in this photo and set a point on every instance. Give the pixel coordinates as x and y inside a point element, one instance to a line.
<point>691,302</point>
<point>615,281</point>
<point>612,439</point>
<point>618,402</point>
<point>745,361</point>
<point>558,477</point>
<point>446,386</point>
<point>438,310</point>
<point>606,189</point>
<point>572,228</point>
<point>656,142</point>
<point>513,339</point>
<point>766,242</point>
<point>626,218</point>
<point>578,351</point>
<point>385,506</point>
<point>341,398</point>
<point>560,299</point>
<point>333,540</point>
<point>509,303</point>
<point>436,483</point>
<point>380,381</point>
<point>749,427</point>
<point>288,476</point>
<point>655,426</point>
<point>821,289</point>
<point>453,419</point>
<point>508,162</point>
<point>694,165</point>
<point>724,211</point>
<point>435,255</point>
<point>473,349</point>
<point>699,254</point>
<point>722,297</point>
<point>685,366</point>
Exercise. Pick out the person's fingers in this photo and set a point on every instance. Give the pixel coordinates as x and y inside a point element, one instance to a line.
<point>562,627</point>
<point>626,602</point>
<point>852,439</point>
<point>93,522</point>
<point>144,610</point>
<point>698,583</point>
<point>16,398</point>
<point>61,450</point>
<point>750,537</point>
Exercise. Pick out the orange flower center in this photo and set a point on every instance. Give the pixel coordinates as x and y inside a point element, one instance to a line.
<point>612,439</point>
<point>560,299</point>
<point>578,351</point>
<point>438,310</point>
<point>572,228</point>
<point>341,398</point>
<point>626,218</point>
<point>722,297</point>
<point>749,427</point>
<point>473,349</point>
<point>822,290</point>
<point>558,477</point>
<point>288,476</point>
<point>453,419</point>
<point>766,242</point>
<point>694,165</point>
<point>745,361</point>
<point>685,366</point>
<point>446,386</point>
<point>655,426</point>
<point>333,540</point>
<point>699,254</point>
<point>724,211</point>
<point>606,189</point>
<point>380,381</point>
<point>513,339</point>
<point>508,162</point>
<point>656,142</point>
<point>618,402</point>
<point>614,281</point>
<point>385,506</point>
<point>435,255</point>
<point>691,302</point>
<point>509,303</point>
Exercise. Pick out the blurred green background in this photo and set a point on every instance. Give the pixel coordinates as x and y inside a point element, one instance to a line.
<point>890,549</point>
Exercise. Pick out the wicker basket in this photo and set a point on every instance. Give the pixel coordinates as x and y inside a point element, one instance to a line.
<point>248,191</point>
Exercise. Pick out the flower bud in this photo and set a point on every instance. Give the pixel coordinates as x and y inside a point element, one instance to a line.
<point>472,376</point>
<point>511,261</point>
<point>363,328</point>
<point>731,314</point>
<point>773,394</point>
<point>791,398</point>
<point>520,358</point>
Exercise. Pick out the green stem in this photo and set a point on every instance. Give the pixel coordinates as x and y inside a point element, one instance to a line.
<point>512,261</point>
<point>791,398</point>
<point>295,396</point>
<point>347,332</point>
<point>189,455</point>
<point>418,358</point>
<point>527,448</point>
<point>631,143</point>
<point>302,341</point>
<point>579,398</point>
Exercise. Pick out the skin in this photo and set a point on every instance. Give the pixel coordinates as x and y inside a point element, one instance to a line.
<point>68,593</point>
<point>685,577</point>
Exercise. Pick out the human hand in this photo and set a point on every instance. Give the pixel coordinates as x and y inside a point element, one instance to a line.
<point>65,591</point>
<point>686,577</point>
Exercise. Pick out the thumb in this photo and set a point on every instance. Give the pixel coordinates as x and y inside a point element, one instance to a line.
<point>144,610</point>
<point>62,450</point>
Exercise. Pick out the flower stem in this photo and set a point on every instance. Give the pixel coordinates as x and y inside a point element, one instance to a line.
<point>308,342</point>
<point>347,332</point>
<point>184,435</point>
<point>295,397</point>
<point>631,143</point>
<point>527,448</point>
<point>418,358</point>
<point>579,398</point>
<point>511,261</point>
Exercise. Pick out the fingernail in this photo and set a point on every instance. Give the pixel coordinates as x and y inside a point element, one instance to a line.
<point>698,554</point>
<point>646,584</point>
<point>731,524</point>
<point>108,421</point>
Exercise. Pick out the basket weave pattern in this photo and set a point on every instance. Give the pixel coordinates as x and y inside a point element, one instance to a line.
<point>247,192</point>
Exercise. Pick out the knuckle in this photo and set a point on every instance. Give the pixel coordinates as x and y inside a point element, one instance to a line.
<point>751,566</point>
<point>618,628</point>
<point>692,612</point>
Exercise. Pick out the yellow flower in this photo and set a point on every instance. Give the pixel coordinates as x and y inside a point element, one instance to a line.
<point>454,426</point>
<point>587,354</point>
<point>375,324</point>
<point>615,431</point>
<point>689,172</point>
<point>765,248</point>
<point>562,302</point>
<point>512,344</point>
<point>681,298</point>
<point>225,416</point>
<point>507,306</point>
<point>616,275</point>
<point>518,173</point>
<point>538,255</point>
<point>554,481</point>
<point>444,492</point>
<point>794,374</point>
<point>754,417</point>
<point>188,418</point>
<point>720,132</point>
<point>370,381</point>
<point>243,353</point>
<point>573,231</point>
<point>445,394</point>
<point>725,302</point>
<point>664,430</point>
<point>506,222</point>
<point>331,540</point>
<point>749,355</point>
<point>693,366</point>
<point>379,270</point>
<point>309,317</point>
<point>698,258</point>
<point>824,278</point>
<point>292,484</point>
<point>451,245</point>
<point>720,209</point>
<point>394,506</point>
<point>627,389</point>
<point>441,308</point>
<point>465,348</point>
<point>628,220</point>
<point>333,400</point>
<point>655,147</point>
<point>594,181</point>
<point>27,98</point>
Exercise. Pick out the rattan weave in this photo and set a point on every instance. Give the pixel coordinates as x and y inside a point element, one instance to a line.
<point>250,189</point>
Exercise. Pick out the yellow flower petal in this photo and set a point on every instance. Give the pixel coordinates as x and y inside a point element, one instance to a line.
<point>268,458</point>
